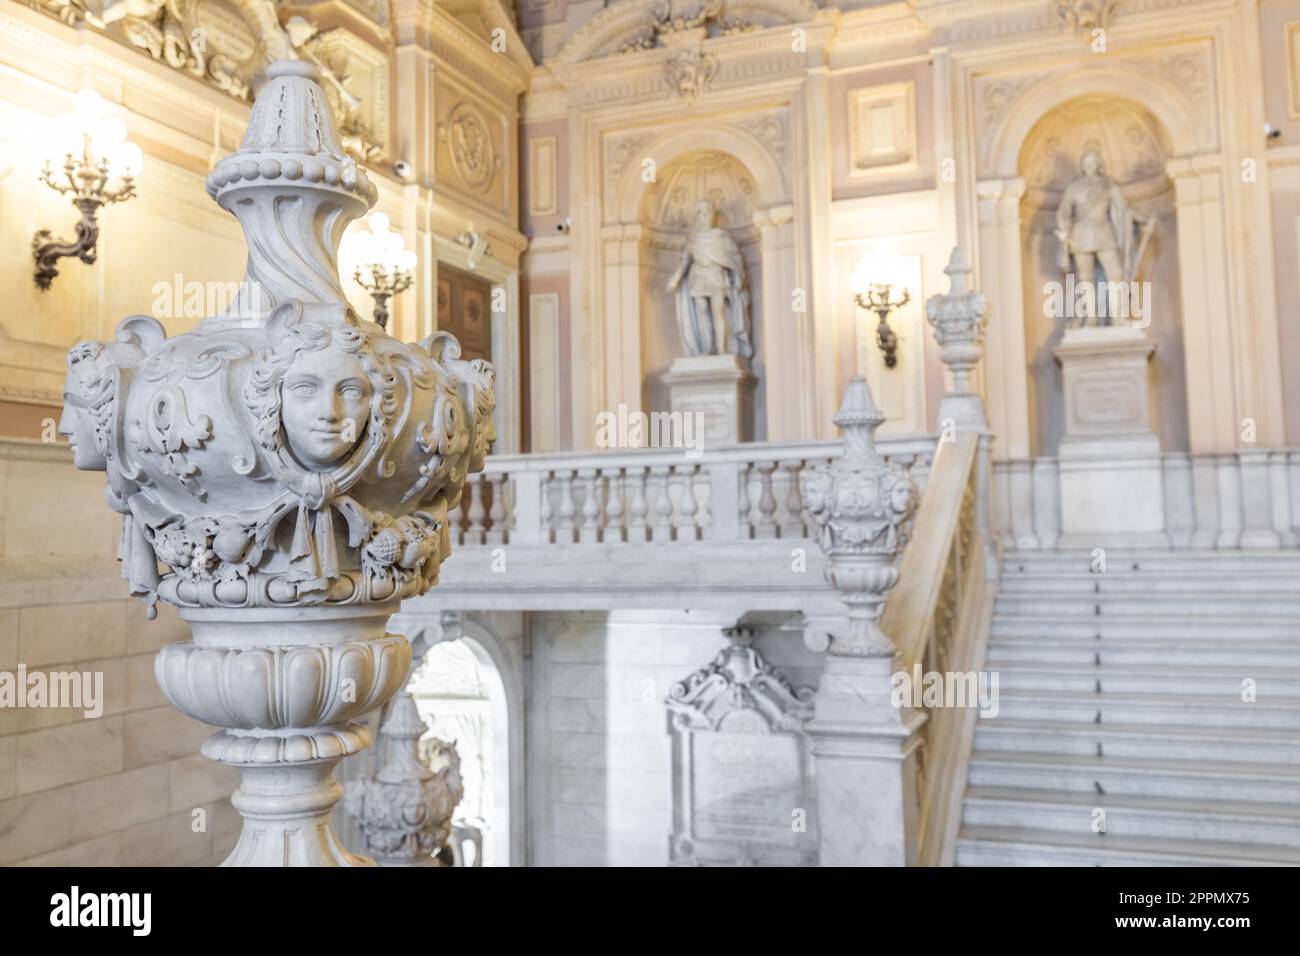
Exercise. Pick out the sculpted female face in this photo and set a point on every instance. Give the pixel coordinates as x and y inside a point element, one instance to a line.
<point>326,403</point>
<point>1091,163</point>
<point>78,427</point>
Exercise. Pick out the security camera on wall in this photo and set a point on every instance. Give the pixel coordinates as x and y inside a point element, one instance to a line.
<point>404,170</point>
<point>564,227</point>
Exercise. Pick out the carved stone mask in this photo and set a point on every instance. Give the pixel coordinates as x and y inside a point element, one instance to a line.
<point>326,397</point>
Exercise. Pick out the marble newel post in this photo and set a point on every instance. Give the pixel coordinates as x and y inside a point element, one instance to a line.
<point>291,468</point>
<point>863,747</point>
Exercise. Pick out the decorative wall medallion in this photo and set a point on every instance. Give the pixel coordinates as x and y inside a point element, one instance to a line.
<point>472,153</point>
<point>690,73</point>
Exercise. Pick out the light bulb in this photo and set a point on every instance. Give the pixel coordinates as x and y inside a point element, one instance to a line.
<point>378,223</point>
<point>90,105</point>
<point>127,160</point>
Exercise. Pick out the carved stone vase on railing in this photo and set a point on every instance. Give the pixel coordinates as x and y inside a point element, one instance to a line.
<point>862,507</point>
<point>292,467</point>
<point>404,810</point>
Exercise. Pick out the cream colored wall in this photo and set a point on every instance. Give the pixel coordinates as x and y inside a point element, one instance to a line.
<point>122,789</point>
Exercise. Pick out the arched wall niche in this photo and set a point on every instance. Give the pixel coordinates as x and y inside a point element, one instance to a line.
<point>1186,126</point>
<point>703,157</point>
<point>667,215</point>
<point>1135,148</point>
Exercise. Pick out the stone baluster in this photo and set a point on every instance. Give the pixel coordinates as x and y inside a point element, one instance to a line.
<point>281,549</point>
<point>766,527</point>
<point>477,513</point>
<point>638,508</point>
<point>864,748</point>
<point>589,532</point>
<point>498,515</point>
<point>688,507</point>
<point>743,503</point>
<point>663,526</point>
<point>614,505</point>
<point>792,521</point>
<point>545,511</point>
<point>566,530</point>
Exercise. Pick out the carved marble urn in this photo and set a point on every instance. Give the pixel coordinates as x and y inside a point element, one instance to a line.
<point>285,474</point>
<point>863,507</point>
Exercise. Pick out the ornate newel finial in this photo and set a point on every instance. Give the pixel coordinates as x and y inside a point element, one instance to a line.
<point>292,474</point>
<point>959,318</point>
<point>405,810</point>
<point>294,190</point>
<point>863,506</point>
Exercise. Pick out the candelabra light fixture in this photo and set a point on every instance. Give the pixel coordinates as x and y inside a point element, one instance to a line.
<point>96,166</point>
<point>878,285</point>
<point>385,267</point>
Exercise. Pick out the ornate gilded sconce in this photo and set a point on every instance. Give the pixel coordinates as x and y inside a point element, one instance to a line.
<point>99,167</point>
<point>384,264</point>
<point>878,286</point>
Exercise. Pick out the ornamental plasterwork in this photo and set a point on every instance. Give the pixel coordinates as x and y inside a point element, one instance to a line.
<point>1086,15</point>
<point>469,141</point>
<point>628,26</point>
<point>225,43</point>
<point>739,678</point>
<point>690,73</point>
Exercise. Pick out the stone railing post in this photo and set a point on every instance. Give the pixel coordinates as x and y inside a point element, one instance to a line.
<point>294,469</point>
<point>959,318</point>
<point>863,747</point>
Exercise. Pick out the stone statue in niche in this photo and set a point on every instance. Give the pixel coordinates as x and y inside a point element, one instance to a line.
<point>1097,226</point>
<point>711,288</point>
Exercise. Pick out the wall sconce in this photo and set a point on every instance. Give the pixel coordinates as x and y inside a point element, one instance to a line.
<point>385,266</point>
<point>878,286</point>
<point>99,167</point>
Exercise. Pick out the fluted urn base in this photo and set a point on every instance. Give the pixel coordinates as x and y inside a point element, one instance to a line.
<point>289,686</point>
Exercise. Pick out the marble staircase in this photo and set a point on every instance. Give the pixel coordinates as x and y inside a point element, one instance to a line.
<point>1123,691</point>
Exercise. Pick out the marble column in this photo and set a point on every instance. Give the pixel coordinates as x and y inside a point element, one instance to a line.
<point>292,468</point>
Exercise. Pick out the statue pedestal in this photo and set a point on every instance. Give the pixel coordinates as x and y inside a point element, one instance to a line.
<point>1112,490</point>
<point>718,386</point>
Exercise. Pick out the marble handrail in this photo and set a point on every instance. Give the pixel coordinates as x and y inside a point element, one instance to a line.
<point>939,616</point>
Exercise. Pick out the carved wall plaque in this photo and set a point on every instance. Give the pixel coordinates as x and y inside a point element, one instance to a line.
<point>741,781</point>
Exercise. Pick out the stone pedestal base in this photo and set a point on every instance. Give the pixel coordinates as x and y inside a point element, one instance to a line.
<point>719,387</point>
<point>1112,491</point>
<point>864,753</point>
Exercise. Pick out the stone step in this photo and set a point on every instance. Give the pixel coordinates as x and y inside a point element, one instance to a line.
<point>1191,779</point>
<point>1018,846</point>
<point>1238,607</point>
<point>1159,653</point>
<point>1162,585</point>
<point>1227,744</point>
<point>1221,681</point>
<point>1172,563</point>
<point>1167,709</point>
<point>1246,627</point>
<point>1223,821</point>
